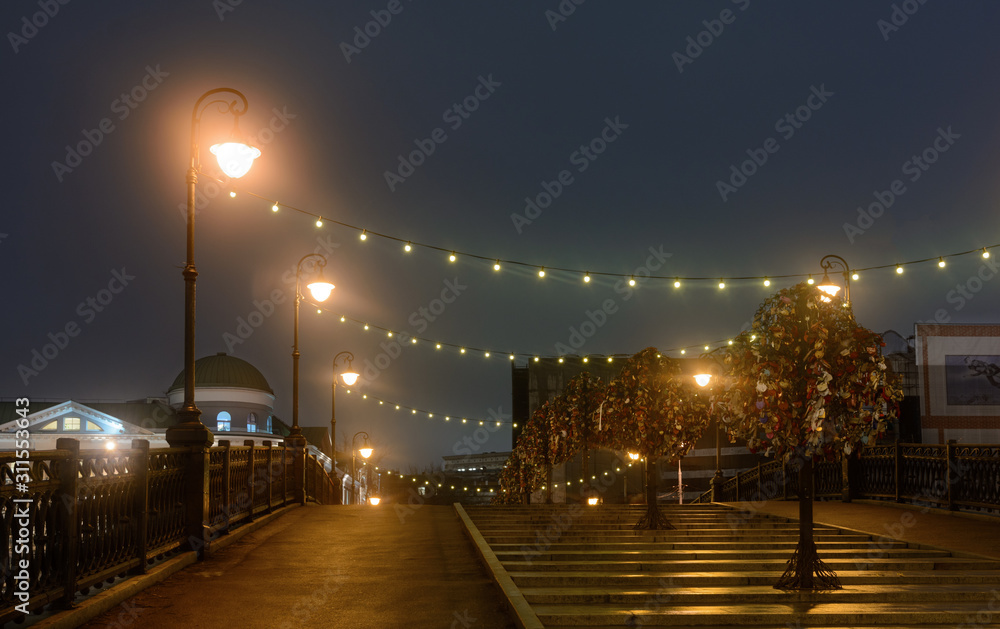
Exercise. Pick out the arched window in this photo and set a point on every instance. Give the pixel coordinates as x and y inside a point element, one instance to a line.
<point>223,422</point>
<point>252,422</point>
<point>269,427</point>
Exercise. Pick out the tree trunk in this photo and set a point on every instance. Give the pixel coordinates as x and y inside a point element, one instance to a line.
<point>585,465</point>
<point>548,484</point>
<point>805,570</point>
<point>654,518</point>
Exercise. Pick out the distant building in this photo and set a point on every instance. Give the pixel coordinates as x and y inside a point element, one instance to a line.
<point>958,368</point>
<point>234,398</point>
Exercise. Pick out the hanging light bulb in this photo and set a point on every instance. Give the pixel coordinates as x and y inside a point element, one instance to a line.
<point>631,281</point>
<point>677,283</point>
<point>586,277</point>
<point>364,234</point>
<point>722,283</point>
<point>274,208</point>
<point>986,252</point>
<point>941,262</point>
<point>496,266</point>
<point>810,281</point>
<point>541,272</point>
<point>235,158</point>
<point>407,247</point>
<point>452,257</point>
<point>767,282</point>
<point>899,269</point>
<point>319,222</point>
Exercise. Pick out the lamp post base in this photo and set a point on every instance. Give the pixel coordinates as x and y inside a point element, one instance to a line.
<point>295,441</point>
<point>189,433</point>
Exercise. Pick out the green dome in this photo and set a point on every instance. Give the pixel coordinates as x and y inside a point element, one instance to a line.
<point>224,371</point>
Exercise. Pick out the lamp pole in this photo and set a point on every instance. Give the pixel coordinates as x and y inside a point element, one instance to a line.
<point>366,451</point>
<point>828,263</point>
<point>320,290</point>
<point>349,377</point>
<point>189,429</point>
<point>703,380</point>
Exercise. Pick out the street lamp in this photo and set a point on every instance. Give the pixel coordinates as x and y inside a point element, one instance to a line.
<point>366,451</point>
<point>349,377</point>
<point>703,380</point>
<point>235,158</point>
<point>828,286</point>
<point>320,290</point>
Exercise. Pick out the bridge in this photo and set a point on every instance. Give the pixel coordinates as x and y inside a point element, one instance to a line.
<point>263,549</point>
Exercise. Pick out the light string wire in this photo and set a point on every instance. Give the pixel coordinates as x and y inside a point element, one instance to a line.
<point>542,269</point>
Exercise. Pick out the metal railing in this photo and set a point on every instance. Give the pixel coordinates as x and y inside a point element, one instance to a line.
<point>951,476</point>
<point>73,519</point>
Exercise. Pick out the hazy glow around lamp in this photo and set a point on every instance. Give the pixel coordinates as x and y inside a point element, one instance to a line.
<point>349,377</point>
<point>321,290</point>
<point>828,287</point>
<point>235,158</point>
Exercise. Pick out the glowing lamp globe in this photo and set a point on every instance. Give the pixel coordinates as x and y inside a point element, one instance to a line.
<point>366,452</point>
<point>349,377</point>
<point>703,379</point>
<point>634,456</point>
<point>320,289</point>
<point>375,500</point>
<point>592,501</point>
<point>235,158</point>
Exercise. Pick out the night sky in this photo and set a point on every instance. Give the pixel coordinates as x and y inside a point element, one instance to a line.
<point>693,139</point>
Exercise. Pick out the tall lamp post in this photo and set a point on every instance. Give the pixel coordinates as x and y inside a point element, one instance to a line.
<point>320,290</point>
<point>349,377</point>
<point>366,451</point>
<point>235,158</point>
<point>828,287</point>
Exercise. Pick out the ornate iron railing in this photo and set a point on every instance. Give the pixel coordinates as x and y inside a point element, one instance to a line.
<point>951,476</point>
<point>74,520</point>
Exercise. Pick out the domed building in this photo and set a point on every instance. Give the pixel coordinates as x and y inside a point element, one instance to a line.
<point>232,394</point>
<point>234,397</point>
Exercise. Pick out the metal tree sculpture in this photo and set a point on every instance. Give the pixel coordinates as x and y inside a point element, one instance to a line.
<point>652,410</point>
<point>807,382</point>
<point>574,423</point>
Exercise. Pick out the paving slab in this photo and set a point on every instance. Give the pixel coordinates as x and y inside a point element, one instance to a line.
<point>350,567</point>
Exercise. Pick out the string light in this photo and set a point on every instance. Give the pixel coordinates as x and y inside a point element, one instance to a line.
<point>452,257</point>
<point>941,262</point>
<point>767,282</point>
<point>810,281</point>
<point>496,266</point>
<point>541,272</point>
<point>407,248</point>
<point>899,269</point>
<point>497,261</point>
<point>232,194</point>
<point>319,222</point>
<point>722,283</point>
<point>631,281</point>
<point>586,277</point>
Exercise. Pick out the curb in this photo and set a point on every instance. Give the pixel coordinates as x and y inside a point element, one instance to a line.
<point>520,610</point>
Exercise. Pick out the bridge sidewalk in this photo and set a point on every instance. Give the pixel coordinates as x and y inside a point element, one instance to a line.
<point>960,532</point>
<point>349,567</point>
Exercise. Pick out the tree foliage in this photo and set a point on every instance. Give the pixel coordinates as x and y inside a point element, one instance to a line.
<point>652,409</point>
<point>573,422</point>
<point>807,380</point>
